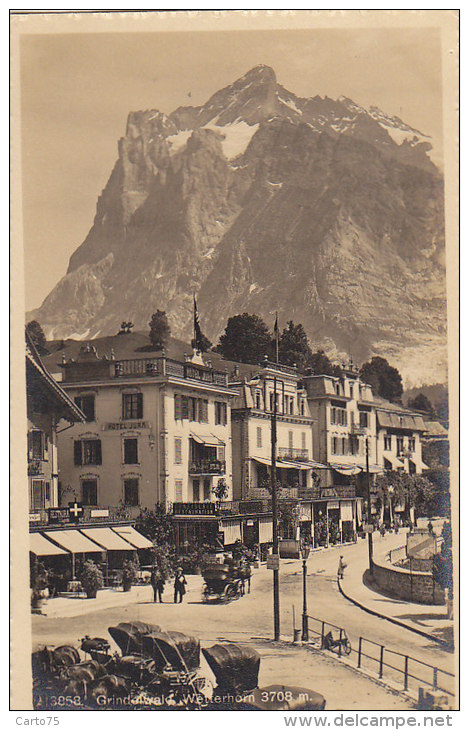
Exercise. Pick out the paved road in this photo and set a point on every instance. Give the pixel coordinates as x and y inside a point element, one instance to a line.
<point>250,620</point>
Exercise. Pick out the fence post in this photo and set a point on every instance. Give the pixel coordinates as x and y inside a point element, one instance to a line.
<point>359,652</point>
<point>381,658</point>
<point>406,673</point>
<point>340,643</point>
<point>435,677</point>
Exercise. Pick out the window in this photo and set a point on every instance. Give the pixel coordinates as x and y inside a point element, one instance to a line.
<point>203,411</point>
<point>193,409</point>
<point>87,451</point>
<point>130,451</point>
<point>411,443</point>
<point>36,445</point>
<point>258,400</point>
<point>259,437</point>
<point>207,490</point>
<point>338,416</point>
<point>387,443</point>
<point>290,440</point>
<point>86,404</point>
<point>37,494</point>
<point>302,407</point>
<point>220,413</point>
<point>196,490</point>
<point>47,491</point>
<point>303,441</point>
<point>89,492</point>
<point>334,441</point>
<point>354,445</point>
<point>132,405</point>
<point>131,492</point>
<point>364,419</point>
<point>178,450</point>
<point>400,445</point>
<point>178,490</point>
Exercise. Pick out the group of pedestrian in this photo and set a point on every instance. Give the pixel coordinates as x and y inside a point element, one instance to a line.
<point>158,583</point>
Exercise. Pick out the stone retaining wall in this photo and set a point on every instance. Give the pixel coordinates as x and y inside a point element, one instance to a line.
<point>415,586</point>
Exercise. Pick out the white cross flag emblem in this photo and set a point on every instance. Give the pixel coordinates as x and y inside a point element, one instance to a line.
<point>76,510</point>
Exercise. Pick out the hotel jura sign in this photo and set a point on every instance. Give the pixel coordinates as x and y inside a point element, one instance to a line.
<point>125,425</point>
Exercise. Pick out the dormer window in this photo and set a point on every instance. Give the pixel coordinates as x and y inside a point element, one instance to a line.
<point>258,400</point>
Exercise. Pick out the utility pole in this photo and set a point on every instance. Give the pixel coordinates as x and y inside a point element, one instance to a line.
<point>273,484</point>
<point>370,534</point>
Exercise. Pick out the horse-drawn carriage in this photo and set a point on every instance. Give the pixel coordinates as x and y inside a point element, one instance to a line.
<point>158,669</point>
<point>225,582</point>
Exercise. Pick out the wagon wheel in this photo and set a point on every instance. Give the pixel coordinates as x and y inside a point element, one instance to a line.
<point>231,591</point>
<point>347,646</point>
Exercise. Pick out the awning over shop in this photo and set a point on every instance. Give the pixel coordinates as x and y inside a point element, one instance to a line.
<point>265,530</point>
<point>133,536</point>
<point>39,545</point>
<point>346,469</point>
<point>419,463</point>
<point>296,465</point>
<point>107,538</point>
<point>208,440</point>
<point>346,511</point>
<point>373,469</point>
<point>394,461</point>
<point>314,464</point>
<point>278,464</point>
<point>231,530</point>
<point>74,541</point>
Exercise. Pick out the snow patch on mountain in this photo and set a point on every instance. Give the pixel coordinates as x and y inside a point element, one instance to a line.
<point>236,137</point>
<point>178,141</point>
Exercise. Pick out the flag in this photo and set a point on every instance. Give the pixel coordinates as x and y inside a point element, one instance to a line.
<point>276,336</point>
<point>197,330</point>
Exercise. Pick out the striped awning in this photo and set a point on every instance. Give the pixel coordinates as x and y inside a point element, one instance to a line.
<point>74,541</point>
<point>40,545</point>
<point>107,538</point>
<point>133,536</point>
<point>346,469</point>
<point>208,440</point>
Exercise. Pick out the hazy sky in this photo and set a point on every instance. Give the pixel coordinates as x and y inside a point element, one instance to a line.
<point>77,90</point>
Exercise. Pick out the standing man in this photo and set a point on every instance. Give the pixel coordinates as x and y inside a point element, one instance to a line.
<point>179,586</point>
<point>157,582</point>
<point>341,567</point>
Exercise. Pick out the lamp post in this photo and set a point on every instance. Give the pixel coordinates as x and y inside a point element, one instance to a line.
<point>370,533</point>
<point>305,631</point>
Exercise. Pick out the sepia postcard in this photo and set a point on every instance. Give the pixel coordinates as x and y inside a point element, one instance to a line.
<point>234,461</point>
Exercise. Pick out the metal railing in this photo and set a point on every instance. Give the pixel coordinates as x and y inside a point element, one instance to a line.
<point>207,466</point>
<point>385,663</point>
<point>167,367</point>
<point>397,554</point>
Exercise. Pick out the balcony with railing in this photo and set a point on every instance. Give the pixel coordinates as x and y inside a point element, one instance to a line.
<point>357,430</point>
<point>287,453</point>
<point>163,366</point>
<point>206,467</point>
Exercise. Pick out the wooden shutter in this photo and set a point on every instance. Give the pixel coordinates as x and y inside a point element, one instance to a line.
<point>99,455</point>
<point>184,407</point>
<point>221,453</point>
<point>139,405</point>
<point>177,407</point>
<point>77,451</point>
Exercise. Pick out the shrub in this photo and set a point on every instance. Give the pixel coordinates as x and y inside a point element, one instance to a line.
<point>91,578</point>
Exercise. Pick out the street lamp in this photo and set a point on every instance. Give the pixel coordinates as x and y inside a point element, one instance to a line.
<point>305,632</point>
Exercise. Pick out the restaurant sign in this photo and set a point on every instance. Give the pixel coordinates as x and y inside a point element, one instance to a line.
<point>125,425</point>
<point>58,514</point>
<point>194,508</point>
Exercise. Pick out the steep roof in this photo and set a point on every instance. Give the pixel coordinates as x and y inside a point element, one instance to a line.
<point>35,370</point>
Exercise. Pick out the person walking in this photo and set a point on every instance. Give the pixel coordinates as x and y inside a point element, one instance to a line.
<point>341,567</point>
<point>157,582</point>
<point>179,586</point>
<point>430,527</point>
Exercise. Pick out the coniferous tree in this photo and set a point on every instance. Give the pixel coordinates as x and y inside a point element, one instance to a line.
<point>37,336</point>
<point>384,379</point>
<point>160,330</point>
<point>293,346</point>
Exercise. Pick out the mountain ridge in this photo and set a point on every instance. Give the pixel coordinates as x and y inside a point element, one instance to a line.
<point>260,200</point>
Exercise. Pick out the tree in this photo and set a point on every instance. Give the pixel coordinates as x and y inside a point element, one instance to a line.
<point>384,379</point>
<point>203,344</point>
<point>125,328</point>
<point>321,365</point>
<point>246,339</point>
<point>160,330</point>
<point>421,403</point>
<point>38,338</point>
<point>158,527</point>
<point>220,490</point>
<point>293,346</point>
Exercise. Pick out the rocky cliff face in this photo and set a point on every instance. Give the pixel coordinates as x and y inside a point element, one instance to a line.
<point>261,201</point>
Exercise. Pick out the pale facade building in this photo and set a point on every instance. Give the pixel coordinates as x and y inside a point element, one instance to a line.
<point>157,430</point>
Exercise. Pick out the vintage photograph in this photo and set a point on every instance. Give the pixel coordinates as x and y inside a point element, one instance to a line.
<point>236,247</point>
